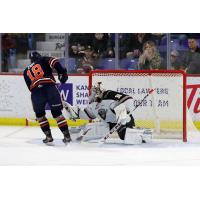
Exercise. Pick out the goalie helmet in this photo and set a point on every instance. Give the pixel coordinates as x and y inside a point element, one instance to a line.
<point>34,56</point>
<point>96,93</point>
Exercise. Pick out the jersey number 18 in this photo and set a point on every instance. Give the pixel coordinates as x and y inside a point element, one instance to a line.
<point>35,72</point>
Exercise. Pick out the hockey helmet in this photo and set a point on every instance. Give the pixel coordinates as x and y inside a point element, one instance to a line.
<point>96,93</point>
<point>34,56</point>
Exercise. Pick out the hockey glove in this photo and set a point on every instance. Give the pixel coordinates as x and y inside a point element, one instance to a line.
<point>62,78</point>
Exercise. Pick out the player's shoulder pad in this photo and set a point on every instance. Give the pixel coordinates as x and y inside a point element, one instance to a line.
<point>52,61</point>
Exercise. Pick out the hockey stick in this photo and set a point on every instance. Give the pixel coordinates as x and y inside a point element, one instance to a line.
<point>118,125</point>
<point>85,131</point>
<point>71,111</point>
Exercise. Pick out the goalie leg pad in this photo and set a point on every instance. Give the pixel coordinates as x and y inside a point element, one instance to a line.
<point>96,130</point>
<point>133,136</point>
<point>147,135</point>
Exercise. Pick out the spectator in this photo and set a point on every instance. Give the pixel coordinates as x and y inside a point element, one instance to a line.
<point>193,45</point>
<point>134,44</point>
<point>8,45</point>
<point>87,61</point>
<point>193,68</point>
<point>103,47</point>
<point>193,54</point>
<point>150,58</point>
<point>176,62</point>
<point>77,43</point>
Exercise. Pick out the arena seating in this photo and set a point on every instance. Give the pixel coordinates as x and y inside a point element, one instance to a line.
<point>129,64</point>
<point>106,63</point>
<point>71,64</point>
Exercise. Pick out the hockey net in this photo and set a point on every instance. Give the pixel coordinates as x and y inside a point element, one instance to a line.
<point>164,110</point>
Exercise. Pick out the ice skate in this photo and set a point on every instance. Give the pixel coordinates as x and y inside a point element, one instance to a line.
<point>67,138</point>
<point>49,139</point>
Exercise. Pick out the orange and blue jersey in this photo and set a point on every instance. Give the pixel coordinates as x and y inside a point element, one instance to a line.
<point>41,72</point>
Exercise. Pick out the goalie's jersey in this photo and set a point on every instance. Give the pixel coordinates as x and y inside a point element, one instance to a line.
<point>116,96</point>
<point>41,72</point>
<point>105,109</point>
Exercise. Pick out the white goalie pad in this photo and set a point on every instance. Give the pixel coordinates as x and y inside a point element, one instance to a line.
<point>96,130</point>
<point>75,129</point>
<point>138,136</point>
<point>133,136</point>
<point>121,114</point>
<point>147,135</point>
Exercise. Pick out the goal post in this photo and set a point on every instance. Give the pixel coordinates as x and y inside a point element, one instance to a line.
<point>164,110</point>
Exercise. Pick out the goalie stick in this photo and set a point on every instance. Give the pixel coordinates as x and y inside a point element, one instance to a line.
<point>118,125</point>
<point>85,131</point>
<point>71,111</point>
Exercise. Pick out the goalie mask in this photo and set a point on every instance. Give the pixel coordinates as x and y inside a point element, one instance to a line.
<point>96,93</point>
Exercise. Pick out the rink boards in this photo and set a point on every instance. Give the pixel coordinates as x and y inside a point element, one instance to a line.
<point>15,103</point>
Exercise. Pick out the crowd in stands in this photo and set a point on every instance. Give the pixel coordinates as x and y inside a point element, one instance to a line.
<point>188,60</point>
<point>89,48</point>
<point>90,51</point>
<point>136,51</point>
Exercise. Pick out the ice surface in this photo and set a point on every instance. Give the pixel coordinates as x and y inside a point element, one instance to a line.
<point>23,146</point>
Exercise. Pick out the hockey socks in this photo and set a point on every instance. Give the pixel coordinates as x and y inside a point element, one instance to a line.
<point>62,124</point>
